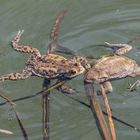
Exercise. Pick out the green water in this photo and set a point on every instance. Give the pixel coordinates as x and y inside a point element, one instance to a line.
<point>88,22</point>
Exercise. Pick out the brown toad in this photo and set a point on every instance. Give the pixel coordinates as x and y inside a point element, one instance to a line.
<point>113,66</point>
<point>50,66</point>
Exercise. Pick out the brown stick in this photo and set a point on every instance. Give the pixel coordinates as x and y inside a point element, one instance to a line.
<point>46,106</point>
<point>111,124</point>
<point>45,109</point>
<point>97,112</point>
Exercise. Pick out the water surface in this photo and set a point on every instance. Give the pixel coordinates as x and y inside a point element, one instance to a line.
<point>88,22</point>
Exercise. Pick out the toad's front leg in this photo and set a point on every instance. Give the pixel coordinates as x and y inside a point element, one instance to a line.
<point>65,89</point>
<point>108,87</point>
<point>23,48</point>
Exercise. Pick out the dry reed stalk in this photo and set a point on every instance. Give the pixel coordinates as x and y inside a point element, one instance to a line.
<point>110,120</point>
<point>45,109</point>
<point>97,112</point>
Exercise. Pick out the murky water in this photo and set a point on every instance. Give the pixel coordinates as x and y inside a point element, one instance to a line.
<point>88,22</point>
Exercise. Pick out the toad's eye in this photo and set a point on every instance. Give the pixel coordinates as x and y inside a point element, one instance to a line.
<point>76,64</point>
<point>73,71</point>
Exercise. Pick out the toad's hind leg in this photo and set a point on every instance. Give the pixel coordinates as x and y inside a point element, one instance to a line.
<point>118,48</point>
<point>121,48</point>
<point>25,49</point>
<point>54,32</point>
<point>16,76</point>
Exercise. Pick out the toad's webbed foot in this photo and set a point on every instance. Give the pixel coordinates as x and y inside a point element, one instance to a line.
<point>133,40</point>
<point>25,49</point>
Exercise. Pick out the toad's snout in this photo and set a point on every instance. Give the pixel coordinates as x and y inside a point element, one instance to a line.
<point>91,76</point>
